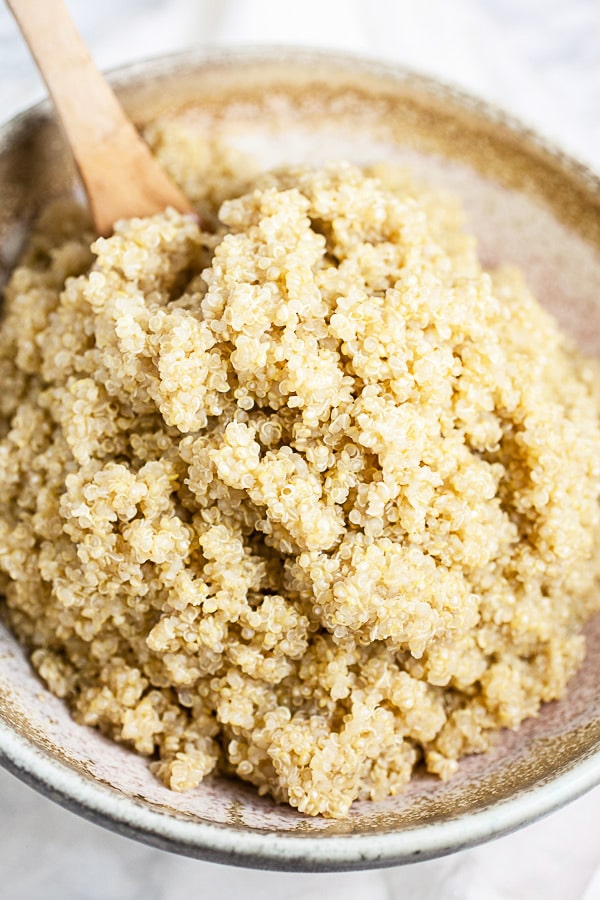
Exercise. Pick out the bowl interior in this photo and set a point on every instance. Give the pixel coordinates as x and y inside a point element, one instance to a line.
<point>525,204</point>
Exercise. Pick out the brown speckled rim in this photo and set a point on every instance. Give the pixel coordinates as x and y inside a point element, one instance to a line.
<point>300,852</point>
<point>276,850</point>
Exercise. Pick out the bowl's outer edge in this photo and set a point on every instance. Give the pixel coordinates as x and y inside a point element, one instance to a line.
<point>229,844</point>
<point>279,851</point>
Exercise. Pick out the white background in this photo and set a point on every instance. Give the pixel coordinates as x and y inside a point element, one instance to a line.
<point>540,59</point>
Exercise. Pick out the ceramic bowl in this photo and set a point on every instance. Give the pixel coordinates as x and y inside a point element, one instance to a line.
<point>527,203</point>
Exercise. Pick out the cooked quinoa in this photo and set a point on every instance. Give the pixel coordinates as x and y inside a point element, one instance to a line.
<point>306,497</point>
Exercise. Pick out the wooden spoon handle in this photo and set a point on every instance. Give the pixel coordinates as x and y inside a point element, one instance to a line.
<point>120,175</point>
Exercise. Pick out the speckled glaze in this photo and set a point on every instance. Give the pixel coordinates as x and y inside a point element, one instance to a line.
<point>527,204</point>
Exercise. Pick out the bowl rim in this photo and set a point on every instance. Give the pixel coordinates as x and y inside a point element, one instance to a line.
<point>251,848</point>
<point>233,844</point>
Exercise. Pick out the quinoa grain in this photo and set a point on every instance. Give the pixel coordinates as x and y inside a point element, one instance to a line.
<point>306,499</point>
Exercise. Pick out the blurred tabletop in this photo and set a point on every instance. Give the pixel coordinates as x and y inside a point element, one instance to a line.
<point>539,59</point>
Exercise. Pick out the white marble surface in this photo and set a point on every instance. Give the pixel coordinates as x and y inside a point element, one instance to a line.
<point>541,60</point>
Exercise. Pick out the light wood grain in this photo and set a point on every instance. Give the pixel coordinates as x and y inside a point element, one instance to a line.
<point>121,177</point>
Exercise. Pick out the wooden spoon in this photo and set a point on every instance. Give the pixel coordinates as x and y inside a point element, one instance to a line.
<point>121,177</point>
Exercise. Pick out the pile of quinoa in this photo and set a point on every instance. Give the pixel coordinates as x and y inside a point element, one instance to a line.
<point>305,497</point>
